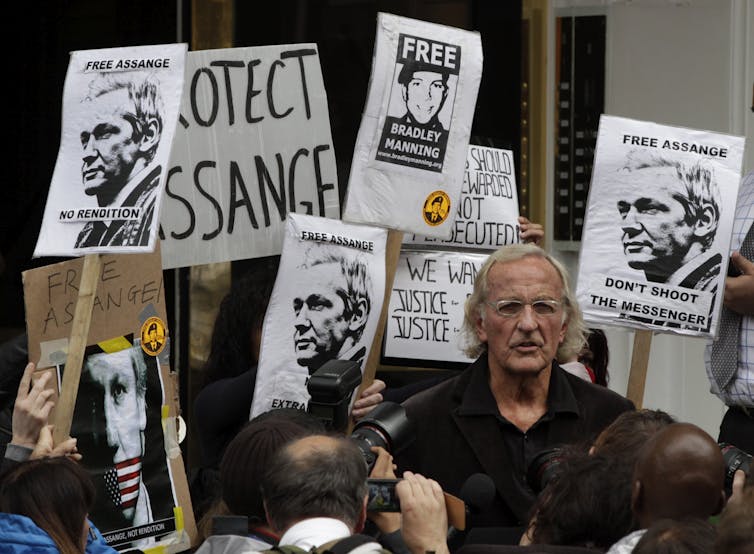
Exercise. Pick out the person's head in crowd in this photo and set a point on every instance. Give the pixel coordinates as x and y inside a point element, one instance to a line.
<point>316,476</point>
<point>237,332</point>
<point>735,528</point>
<point>680,472</point>
<point>56,494</point>
<point>628,433</point>
<point>677,536</point>
<point>495,311</point>
<point>596,355</point>
<point>123,378</point>
<point>588,502</point>
<point>248,456</point>
<point>424,88</point>
<point>676,222</point>
<point>332,310</point>
<point>121,125</point>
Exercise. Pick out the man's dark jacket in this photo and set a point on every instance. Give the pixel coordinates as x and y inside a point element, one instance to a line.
<point>454,441</point>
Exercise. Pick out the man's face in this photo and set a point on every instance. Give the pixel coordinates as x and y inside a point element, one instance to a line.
<point>656,235</point>
<point>109,151</point>
<point>527,343</point>
<point>424,95</point>
<point>125,414</point>
<point>321,324</point>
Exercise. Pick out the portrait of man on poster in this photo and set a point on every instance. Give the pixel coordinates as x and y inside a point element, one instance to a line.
<point>121,127</point>
<point>331,312</point>
<point>669,213</point>
<point>424,88</point>
<point>118,427</point>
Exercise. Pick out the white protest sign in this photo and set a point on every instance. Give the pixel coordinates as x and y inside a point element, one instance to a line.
<point>487,213</point>
<point>120,108</point>
<point>325,305</point>
<point>658,226</point>
<point>425,314</point>
<point>410,152</point>
<point>254,144</point>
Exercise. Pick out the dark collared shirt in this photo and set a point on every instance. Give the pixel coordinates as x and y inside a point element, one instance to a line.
<point>521,447</point>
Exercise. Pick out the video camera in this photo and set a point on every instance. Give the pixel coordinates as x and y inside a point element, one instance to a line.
<point>331,388</point>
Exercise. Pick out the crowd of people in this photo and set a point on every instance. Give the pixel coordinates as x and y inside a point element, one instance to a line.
<point>572,465</point>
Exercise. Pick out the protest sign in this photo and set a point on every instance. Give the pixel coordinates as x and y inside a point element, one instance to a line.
<point>658,226</point>
<point>410,152</point>
<point>126,405</point>
<point>325,305</point>
<point>425,315</point>
<point>120,108</point>
<point>254,143</point>
<point>487,213</point>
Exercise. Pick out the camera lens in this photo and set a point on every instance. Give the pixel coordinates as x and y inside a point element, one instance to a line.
<point>543,468</point>
<point>386,426</point>
<point>735,459</point>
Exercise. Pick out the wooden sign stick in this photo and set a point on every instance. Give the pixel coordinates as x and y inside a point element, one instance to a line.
<point>637,376</point>
<point>82,317</point>
<point>392,255</point>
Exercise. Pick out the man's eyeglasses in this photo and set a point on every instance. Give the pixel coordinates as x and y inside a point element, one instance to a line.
<point>512,308</point>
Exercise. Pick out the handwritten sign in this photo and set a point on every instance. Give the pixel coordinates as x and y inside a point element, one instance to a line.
<point>658,226</point>
<point>253,144</point>
<point>120,108</point>
<point>325,305</point>
<point>410,152</point>
<point>127,357</point>
<point>426,305</point>
<point>487,213</point>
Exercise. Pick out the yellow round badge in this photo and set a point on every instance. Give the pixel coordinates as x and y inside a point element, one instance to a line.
<point>153,336</point>
<point>436,208</point>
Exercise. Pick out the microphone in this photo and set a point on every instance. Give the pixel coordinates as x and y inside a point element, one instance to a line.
<point>477,494</point>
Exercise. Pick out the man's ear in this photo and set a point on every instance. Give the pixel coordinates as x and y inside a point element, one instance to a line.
<point>150,137</point>
<point>707,221</point>
<point>404,93</point>
<point>637,497</point>
<point>360,315</point>
<point>362,521</point>
<point>268,518</point>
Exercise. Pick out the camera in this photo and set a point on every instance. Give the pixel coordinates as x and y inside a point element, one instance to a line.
<point>330,389</point>
<point>735,459</point>
<point>386,426</point>
<point>543,468</point>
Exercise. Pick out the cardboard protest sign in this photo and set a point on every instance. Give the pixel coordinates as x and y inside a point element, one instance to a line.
<point>410,152</point>
<point>124,417</point>
<point>425,315</point>
<point>487,213</point>
<point>325,305</point>
<point>254,143</point>
<point>658,226</point>
<point>120,108</point>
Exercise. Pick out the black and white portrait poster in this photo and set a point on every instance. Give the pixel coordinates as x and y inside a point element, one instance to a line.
<point>253,144</point>
<point>325,305</point>
<point>410,152</point>
<point>658,226</point>
<point>124,418</point>
<point>120,109</point>
<point>487,212</point>
<point>426,305</point>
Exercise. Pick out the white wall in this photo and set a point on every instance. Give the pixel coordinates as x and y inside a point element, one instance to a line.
<point>679,62</point>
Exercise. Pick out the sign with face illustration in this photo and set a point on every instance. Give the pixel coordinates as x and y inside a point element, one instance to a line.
<point>411,148</point>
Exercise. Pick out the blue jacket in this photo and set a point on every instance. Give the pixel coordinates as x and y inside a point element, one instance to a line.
<point>20,535</point>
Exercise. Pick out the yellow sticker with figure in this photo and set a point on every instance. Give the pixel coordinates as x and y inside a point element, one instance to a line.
<point>153,336</point>
<point>436,208</point>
